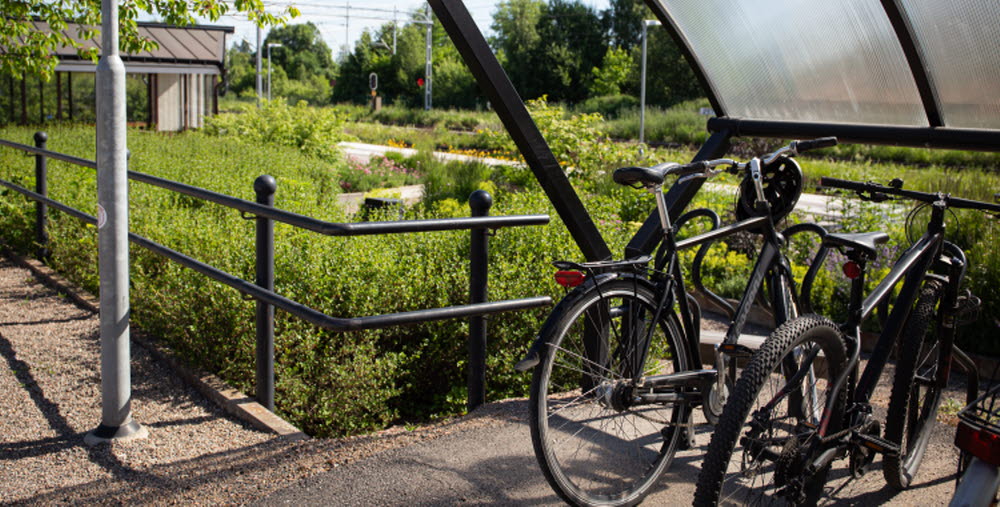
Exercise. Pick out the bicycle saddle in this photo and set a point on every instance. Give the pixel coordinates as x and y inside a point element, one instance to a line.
<point>644,176</point>
<point>863,242</point>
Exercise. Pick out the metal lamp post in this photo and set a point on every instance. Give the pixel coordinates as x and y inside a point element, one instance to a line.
<point>269,46</point>
<point>112,240</point>
<point>642,85</point>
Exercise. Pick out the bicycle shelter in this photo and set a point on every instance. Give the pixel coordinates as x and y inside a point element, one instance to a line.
<point>897,72</point>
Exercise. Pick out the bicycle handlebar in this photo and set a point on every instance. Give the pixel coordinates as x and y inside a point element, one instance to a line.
<point>822,142</point>
<point>793,148</point>
<point>704,168</point>
<point>879,193</point>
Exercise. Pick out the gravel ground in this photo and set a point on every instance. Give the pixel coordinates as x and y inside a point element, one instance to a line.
<point>50,394</point>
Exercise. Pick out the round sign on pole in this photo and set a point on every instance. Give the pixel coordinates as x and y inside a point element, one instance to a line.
<point>373,81</point>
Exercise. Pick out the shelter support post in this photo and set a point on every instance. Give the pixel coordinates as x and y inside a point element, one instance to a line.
<point>24,100</point>
<point>112,240</point>
<point>42,188</point>
<point>41,101</point>
<point>149,101</point>
<point>511,110</point>
<point>265,187</point>
<point>59,96</point>
<point>69,94</point>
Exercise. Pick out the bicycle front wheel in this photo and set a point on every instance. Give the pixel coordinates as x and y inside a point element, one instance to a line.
<point>760,448</point>
<point>601,440</point>
<point>916,394</point>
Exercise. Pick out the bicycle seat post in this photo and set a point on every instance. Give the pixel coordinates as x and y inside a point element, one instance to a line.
<point>857,286</point>
<point>661,207</point>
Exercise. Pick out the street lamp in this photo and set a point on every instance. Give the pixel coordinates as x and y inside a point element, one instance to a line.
<point>642,85</point>
<point>269,46</point>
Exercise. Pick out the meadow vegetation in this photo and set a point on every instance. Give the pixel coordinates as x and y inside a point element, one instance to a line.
<point>344,383</point>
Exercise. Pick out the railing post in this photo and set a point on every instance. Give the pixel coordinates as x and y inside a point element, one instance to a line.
<point>480,201</point>
<point>265,186</point>
<point>42,188</point>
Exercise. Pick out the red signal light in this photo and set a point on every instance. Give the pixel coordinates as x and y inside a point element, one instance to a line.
<point>570,278</point>
<point>420,81</point>
<point>852,270</point>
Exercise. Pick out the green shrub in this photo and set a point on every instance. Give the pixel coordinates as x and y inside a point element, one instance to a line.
<point>314,131</point>
<point>327,383</point>
<point>609,106</point>
<point>680,123</point>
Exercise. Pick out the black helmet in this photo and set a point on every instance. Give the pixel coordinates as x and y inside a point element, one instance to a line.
<point>782,182</point>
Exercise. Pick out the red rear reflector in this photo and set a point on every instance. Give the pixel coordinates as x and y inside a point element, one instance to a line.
<point>852,270</point>
<point>570,278</point>
<point>981,443</point>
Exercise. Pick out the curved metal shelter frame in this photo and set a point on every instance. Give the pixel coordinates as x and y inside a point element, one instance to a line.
<point>902,72</point>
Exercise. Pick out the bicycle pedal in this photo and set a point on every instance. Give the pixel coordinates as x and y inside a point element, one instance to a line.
<point>736,350</point>
<point>877,444</point>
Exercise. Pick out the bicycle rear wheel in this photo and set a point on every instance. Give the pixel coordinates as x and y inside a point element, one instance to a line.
<point>597,441</point>
<point>758,452</point>
<point>915,392</point>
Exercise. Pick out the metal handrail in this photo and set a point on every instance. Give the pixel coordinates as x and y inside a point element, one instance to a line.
<point>299,310</point>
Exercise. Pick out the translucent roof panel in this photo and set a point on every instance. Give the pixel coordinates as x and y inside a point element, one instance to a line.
<point>960,40</point>
<point>801,60</point>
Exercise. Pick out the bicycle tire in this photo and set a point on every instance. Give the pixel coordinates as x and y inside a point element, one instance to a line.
<point>592,447</point>
<point>915,394</point>
<point>726,460</point>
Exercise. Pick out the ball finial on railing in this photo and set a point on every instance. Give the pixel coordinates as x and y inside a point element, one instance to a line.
<point>265,184</point>
<point>480,201</point>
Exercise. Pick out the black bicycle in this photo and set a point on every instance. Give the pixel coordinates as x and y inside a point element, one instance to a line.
<point>617,367</point>
<point>767,447</point>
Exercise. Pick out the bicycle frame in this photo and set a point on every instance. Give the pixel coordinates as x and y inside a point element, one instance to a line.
<point>770,265</point>
<point>931,255</point>
<point>674,285</point>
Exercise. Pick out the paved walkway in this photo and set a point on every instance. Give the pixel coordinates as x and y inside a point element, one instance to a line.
<point>197,453</point>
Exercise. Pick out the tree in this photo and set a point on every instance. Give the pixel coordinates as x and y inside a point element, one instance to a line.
<point>574,42</point>
<point>612,74</point>
<point>669,76</point>
<point>25,50</point>
<point>303,53</point>
<point>624,20</point>
<point>515,24</point>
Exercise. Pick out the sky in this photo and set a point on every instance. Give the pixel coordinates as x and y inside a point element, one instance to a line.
<point>330,16</point>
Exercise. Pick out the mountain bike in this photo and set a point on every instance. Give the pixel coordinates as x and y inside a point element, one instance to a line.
<point>769,448</point>
<point>617,366</point>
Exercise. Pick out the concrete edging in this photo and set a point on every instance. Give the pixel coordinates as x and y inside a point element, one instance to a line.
<point>234,402</point>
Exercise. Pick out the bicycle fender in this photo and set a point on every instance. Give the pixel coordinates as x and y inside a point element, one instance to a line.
<point>978,486</point>
<point>534,354</point>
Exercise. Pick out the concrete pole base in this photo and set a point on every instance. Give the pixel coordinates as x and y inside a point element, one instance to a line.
<point>124,433</point>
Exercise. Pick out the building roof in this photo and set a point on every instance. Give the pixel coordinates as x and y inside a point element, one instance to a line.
<point>907,63</point>
<point>197,49</point>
